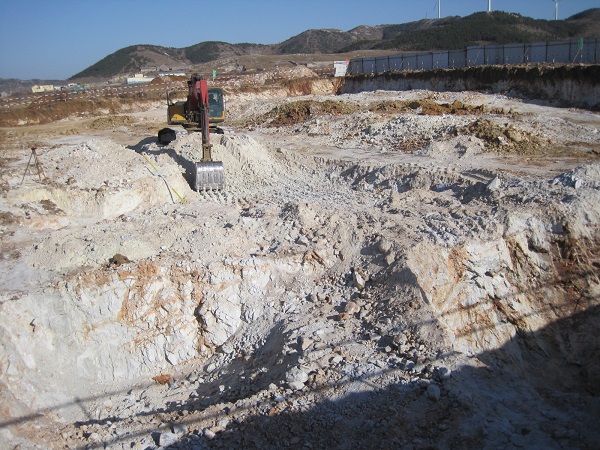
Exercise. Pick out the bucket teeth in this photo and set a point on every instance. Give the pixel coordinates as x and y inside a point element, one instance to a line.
<point>209,176</point>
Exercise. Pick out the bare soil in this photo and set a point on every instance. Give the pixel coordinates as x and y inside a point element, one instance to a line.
<point>388,269</point>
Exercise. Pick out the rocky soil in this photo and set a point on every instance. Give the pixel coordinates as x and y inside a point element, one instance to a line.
<point>384,270</point>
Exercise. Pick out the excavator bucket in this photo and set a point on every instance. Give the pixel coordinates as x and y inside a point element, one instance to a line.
<point>210,175</point>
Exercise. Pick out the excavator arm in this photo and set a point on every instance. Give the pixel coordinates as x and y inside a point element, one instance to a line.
<point>209,174</point>
<point>202,107</point>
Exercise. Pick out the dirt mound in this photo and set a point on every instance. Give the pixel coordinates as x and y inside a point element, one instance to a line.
<point>504,139</point>
<point>170,78</point>
<point>300,111</point>
<point>431,107</point>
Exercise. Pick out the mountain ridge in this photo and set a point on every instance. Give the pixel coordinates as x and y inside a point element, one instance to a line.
<point>447,33</point>
<point>421,35</point>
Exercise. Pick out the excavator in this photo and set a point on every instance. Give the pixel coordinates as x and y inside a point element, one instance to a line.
<point>203,109</point>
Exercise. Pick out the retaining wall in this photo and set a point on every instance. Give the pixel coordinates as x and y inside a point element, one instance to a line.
<point>565,85</point>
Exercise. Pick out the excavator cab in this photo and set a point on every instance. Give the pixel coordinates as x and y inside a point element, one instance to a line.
<point>187,113</point>
<point>216,105</point>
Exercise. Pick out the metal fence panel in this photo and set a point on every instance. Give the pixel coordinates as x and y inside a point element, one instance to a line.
<point>457,59</point>
<point>410,62</point>
<point>538,52</point>
<point>440,60</point>
<point>369,64</point>
<point>425,61</point>
<point>514,54</point>
<point>396,62</point>
<point>475,56</point>
<point>558,52</point>
<point>493,54</point>
<point>354,67</point>
<point>573,51</point>
<point>588,53</point>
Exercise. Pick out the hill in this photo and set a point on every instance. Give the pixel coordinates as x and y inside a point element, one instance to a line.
<point>423,35</point>
<point>490,28</point>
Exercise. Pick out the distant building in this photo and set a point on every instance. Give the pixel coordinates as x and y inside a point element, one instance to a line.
<point>172,73</point>
<point>139,78</point>
<point>42,88</point>
<point>340,68</point>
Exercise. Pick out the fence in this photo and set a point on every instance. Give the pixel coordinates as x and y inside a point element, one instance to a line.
<point>107,92</point>
<point>146,89</point>
<point>575,51</point>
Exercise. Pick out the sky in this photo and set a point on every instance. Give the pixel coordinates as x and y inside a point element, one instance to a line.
<point>55,39</point>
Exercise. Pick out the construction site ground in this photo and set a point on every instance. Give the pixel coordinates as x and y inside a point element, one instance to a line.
<point>389,269</point>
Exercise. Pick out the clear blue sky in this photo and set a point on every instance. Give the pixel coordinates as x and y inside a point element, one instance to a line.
<point>55,39</point>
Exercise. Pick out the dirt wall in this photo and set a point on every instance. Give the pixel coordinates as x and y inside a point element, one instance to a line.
<point>566,85</point>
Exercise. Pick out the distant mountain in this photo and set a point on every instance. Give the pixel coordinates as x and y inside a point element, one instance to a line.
<point>423,35</point>
<point>588,21</point>
<point>133,58</point>
<point>315,41</point>
<point>491,28</point>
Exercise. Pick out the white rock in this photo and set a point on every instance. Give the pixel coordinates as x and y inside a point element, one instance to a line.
<point>296,385</point>
<point>351,308</point>
<point>94,437</point>
<point>179,429</point>
<point>384,245</point>
<point>336,359</point>
<point>390,258</point>
<point>358,279</point>
<point>296,374</point>
<point>304,342</point>
<point>209,434</point>
<point>302,240</point>
<point>167,439</point>
<point>494,185</point>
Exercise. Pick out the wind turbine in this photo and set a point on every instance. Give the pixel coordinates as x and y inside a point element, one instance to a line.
<point>556,9</point>
<point>438,5</point>
<point>489,6</point>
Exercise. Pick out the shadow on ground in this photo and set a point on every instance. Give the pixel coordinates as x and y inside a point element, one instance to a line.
<point>540,390</point>
<point>537,391</point>
<point>188,166</point>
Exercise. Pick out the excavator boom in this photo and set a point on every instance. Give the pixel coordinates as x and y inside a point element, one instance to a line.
<point>210,175</point>
<point>204,106</point>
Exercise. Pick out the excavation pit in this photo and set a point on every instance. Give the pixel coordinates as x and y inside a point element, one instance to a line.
<point>331,290</point>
